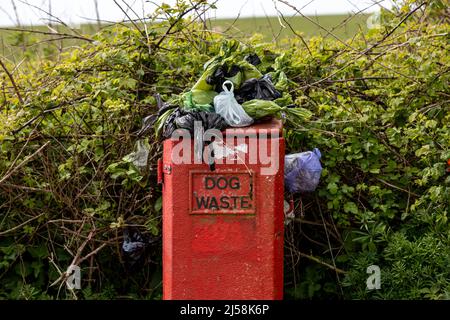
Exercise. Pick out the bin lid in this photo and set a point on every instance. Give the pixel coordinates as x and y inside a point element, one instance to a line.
<point>271,127</point>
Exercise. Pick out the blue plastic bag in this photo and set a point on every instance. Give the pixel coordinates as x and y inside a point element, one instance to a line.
<point>302,171</point>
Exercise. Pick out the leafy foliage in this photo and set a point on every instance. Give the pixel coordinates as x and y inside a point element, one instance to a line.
<point>380,105</point>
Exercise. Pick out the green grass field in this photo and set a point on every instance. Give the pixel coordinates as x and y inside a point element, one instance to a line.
<point>13,43</point>
<point>273,28</point>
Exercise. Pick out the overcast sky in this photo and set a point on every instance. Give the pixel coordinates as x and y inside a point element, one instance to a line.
<point>74,12</point>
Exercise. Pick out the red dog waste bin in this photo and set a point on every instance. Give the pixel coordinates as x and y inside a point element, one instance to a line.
<point>223,227</point>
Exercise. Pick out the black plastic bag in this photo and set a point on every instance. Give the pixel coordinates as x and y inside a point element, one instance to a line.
<point>221,74</point>
<point>208,120</point>
<point>135,247</point>
<point>180,119</point>
<point>261,88</point>
<point>147,123</point>
<point>253,59</point>
<point>170,125</point>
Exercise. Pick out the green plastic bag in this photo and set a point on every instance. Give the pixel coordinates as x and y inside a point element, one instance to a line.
<point>201,96</point>
<point>199,100</point>
<point>258,109</point>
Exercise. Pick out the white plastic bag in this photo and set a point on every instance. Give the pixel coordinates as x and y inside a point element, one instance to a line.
<point>226,105</point>
<point>140,156</point>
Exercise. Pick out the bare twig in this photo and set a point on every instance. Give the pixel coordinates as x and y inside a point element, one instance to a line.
<point>16,89</point>
<point>15,12</point>
<point>398,188</point>
<point>52,16</point>
<point>92,253</point>
<point>21,225</point>
<point>314,22</point>
<point>131,20</point>
<point>7,175</point>
<point>329,243</point>
<point>8,185</point>
<point>61,34</point>
<point>387,35</point>
<point>173,24</point>
<point>296,33</point>
<point>312,258</point>
<point>97,14</point>
<point>235,19</point>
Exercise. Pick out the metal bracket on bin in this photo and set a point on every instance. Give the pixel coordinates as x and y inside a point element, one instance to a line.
<point>163,169</point>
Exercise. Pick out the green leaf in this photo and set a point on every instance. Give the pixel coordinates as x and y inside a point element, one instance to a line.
<point>158,204</point>
<point>350,207</point>
<point>332,187</point>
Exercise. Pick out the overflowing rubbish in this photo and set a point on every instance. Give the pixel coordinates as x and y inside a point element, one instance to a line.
<point>238,87</point>
<point>237,84</point>
<point>226,105</point>
<point>302,171</point>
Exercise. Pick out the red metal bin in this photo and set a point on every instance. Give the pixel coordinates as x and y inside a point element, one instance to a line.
<point>223,229</point>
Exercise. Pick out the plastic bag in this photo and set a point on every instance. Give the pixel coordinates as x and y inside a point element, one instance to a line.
<point>258,109</point>
<point>253,59</point>
<point>140,156</point>
<point>261,88</point>
<point>165,125</point>
<point>226,105</point>
<point>302,171</point>
<point>198,100</point>
<point>208,121</point>
<point>224,73</point>
<point>149,121</point>
<point>234,69</point>
<point>201,96</point>
<point>289,214</point>
<point>135,247</point>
